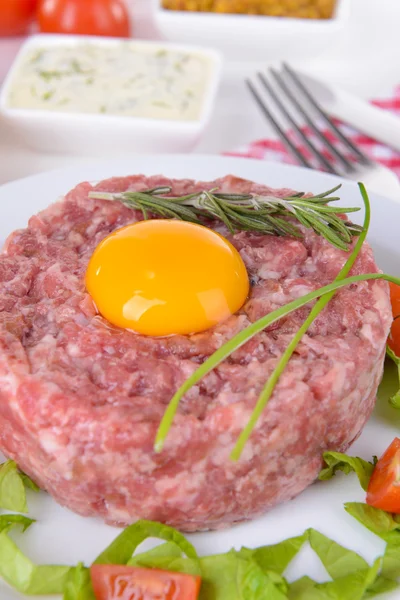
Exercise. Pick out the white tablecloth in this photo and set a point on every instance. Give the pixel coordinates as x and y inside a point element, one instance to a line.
<point>365,61</point>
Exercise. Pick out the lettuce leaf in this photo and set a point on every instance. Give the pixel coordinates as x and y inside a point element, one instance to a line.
<point>278,556</point>
<point>380,586</point>
<point>353,578</point>
<point>20,572</point>
<point>350,587</point>
<point>28,482</point>
<point>376,520</point>
<point>336,461</point>
<point>166,551</point>
<point>299,588</point>
<point>243,575</point>
<point>394,398</point>
<point>231,577</point>
<point>123,547</point>
<point>168,557</point>
<point>9,521</point>
<point>391,558</point>
<point>387,527</point>
<point>78,585</point>
<point>254,584</point>
<point>337,560</point>
<point>346,567</point>
<point>12,489</point>
<point>257,574</point>
<point>246,574</point>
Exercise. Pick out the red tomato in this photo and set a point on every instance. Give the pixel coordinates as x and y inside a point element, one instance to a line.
<point>115,582</point>
<point>89,17</point>
<point>384,486</point>
<point>16,16</point>
<point>394,338</point>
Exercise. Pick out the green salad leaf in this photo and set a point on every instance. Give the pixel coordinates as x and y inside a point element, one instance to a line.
<point>166,551</point>
<point>299,588</point>
<point>123,547</point>
<point>278,556</point>
<point>12,489</point>
<point>168,557</point>
<point>391,558</point>
<point>336,461</point>
<point>78,585</point>
<point>355,585</point>
<point>20,572</point>
<point>255,584</point>
<point>376,520</point>
<point>337,560</point>
<point>7,522</point>
<point>380,586</point>
<point>350,587</point>
<point>231,577</point>
<point>29,483</point>
<point>246,574</point>
<point>348,570</point>
<point>395,398</point>
<point>387,527</point>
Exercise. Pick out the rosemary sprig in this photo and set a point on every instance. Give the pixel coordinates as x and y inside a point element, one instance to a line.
<point>248,212</point>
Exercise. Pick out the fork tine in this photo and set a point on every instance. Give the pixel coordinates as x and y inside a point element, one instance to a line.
<point>286,140</point>
<point>361,156</point>
<point>328,166</point>
<point>339,156</point>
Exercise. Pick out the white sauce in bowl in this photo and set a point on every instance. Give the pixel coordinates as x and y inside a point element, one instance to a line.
<point>126,79</point>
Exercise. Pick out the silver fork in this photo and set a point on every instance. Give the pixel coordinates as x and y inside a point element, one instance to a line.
<point>285,100</point>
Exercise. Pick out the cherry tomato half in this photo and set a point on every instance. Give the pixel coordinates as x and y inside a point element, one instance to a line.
<point>16,16</point>
<point>384,486</point>
<point>394,337</point>
<point>115,582</point>
<point>87,17</point>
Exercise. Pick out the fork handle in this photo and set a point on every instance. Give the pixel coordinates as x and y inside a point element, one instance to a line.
<point>375,122</point>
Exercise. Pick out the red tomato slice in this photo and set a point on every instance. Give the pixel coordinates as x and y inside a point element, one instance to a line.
<point>394,337</point>
<point>88,17</point>
<point>384,486</point>
<point>116,582</point>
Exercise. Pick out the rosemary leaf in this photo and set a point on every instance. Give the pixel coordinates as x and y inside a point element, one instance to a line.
<point>329,192</point>
<point>218,211</point>
<point>158,190</point>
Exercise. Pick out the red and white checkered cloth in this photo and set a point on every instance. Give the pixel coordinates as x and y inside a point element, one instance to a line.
<point>275,150</point>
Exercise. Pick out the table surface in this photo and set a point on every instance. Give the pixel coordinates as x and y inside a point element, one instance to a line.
<point>365,61</point>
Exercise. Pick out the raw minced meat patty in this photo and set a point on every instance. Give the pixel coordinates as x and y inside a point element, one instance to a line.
<point>81,400</point>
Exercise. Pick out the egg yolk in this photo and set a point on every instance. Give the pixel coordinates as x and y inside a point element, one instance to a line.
<point>164,277</point>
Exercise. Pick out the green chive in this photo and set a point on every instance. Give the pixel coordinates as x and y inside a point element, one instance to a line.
<point>315,311</point>
<point>244,336</point>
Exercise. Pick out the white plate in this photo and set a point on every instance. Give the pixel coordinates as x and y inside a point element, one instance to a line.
<point>62,537</point>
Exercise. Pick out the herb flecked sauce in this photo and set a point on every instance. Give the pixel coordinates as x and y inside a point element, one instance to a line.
<point>129,79</point>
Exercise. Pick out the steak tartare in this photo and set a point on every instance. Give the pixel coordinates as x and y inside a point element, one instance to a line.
<point>81,400</point>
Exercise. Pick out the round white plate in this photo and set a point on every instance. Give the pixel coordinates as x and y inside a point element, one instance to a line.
<point>59,536</point>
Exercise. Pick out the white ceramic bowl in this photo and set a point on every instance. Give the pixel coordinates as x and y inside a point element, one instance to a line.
<point>250,37</point>
<point>100,134</point>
